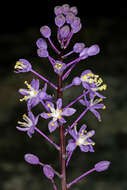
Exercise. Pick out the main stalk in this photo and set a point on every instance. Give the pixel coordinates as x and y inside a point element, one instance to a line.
<point>62,142</point>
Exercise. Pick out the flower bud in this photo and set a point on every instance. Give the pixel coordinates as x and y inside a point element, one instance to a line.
<point>93,50</point>
<point>59,20</point>
<point>41,43</point>
<point>65,8</point>
<point>76,81</point>
<point>64,31</point>
<point>45,31</point>
<point>42,52</point>
<point>84,53</point>
<point>58,10</point>
<point>102,166</point>
<point>74,10</point>
<point>70,18</point>
<point>22,66</point>
<point>48,171</point>
<point>31,159</point>
<point>78,47</point>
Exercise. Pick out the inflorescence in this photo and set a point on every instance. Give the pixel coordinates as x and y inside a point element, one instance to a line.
<point>68,24</point>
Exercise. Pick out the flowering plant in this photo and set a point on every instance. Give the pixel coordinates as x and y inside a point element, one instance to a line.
<point>68,24</point>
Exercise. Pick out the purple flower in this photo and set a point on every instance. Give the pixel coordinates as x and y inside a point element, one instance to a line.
<point>76,25</point>
<point>93,105</point>
<point>93,50</point>
<point>102,166</point>
<point>74,10</point>
<point>56,114</point>
<point>33,95</point>
<point>22,66</point>
<point>65,9</point>
<point>70,18</point>
<point>31,159</point>
<point>45,31</point>
<point>91,82</point>
<point>48,171</point>
<point>59,67</point>
<point>41,43</point>
<point>64,31</point>
<point>29,124</point>
<point>59,20</point>
<point>58,10</point>
<point>81,139</point>
<point>78,47</point>
<point>42,52</point>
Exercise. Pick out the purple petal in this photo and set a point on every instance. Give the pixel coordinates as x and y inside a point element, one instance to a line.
<point>73,133</point>
<point>98,106</point>
<point>22,129</point>
<point>82,102</point>
<point>45,87</point>
<point>96,113</point>
<point>100,95</point>
<point>23,91</point>
<point>62,120</point>
<point>45,115</point>
<point>71,147</point>
<point>59,103</point>
<point>68,111</point>
<point>49,104</point>
<point>84,148</point>
<point>76,81</point>
<point>52,126</point>
<point>31,116</point>
<point>82,129</point>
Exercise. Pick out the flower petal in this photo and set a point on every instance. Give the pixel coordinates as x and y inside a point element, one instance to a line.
<point>45,115</point>
<point>22,129</point>
<point>84,148</point>
<point>82,129</point>
<point>68,111</point>
<point>62,120</point>
<point>71,147</point>
<point>98,106</point>
<point>96,113</point>
<point>59,103</point>
<point>52,126</point>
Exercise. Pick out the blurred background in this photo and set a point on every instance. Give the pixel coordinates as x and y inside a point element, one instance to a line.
<point>20,25</point>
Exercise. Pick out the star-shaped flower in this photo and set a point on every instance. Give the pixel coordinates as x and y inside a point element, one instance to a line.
<point>81,139</point>
<point>33,95</point>
<point>56,114</point>
<point>59,67</point>
<point>93,104</point>
<point>29,124</point>
<point>91,82</point>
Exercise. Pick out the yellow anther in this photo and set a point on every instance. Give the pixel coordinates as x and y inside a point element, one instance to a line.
<point>25,98</point>
<point>21,90</point>
<point>48,105</point>
<point>58,66</point>
<point>24,115</point>
<point>25,82</point>
<point>60,111</point>
<point>104,107</point>
<point>21,100</point>
<point>82,132</point>
<point>29,86</point>
<point>93,144</point>
<point>85,131</point>
<point>48,114</point>
<point>59,117</point>
<point>52,124</point>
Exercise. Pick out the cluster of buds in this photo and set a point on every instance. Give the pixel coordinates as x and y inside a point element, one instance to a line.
<point>91,98</point>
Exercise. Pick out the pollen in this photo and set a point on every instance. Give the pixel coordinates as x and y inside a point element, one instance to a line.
<point>48,114</point>
<point>48,105</point>
<point>52,124</point>
<point>58,66</point>
<point>104,107</point>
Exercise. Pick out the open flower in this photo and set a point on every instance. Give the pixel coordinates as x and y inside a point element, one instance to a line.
<point>22,66</point>
<point>91,82</point>
<point>59,67</point>
<point>93,104</point>
<point>56,114</point>
<point>81,139</point>
<point>29,124</point>
<point>33,95</point>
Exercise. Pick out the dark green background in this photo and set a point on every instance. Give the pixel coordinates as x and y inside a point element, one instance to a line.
<point>18,35</point>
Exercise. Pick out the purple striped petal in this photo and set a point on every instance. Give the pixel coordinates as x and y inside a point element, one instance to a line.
<point>68,112</point>
<point>96,113</point>
<point>71,147</point>
<point>59,103</point>
<point>82,129</point>
<point>45,115</point>
<point>52,126</point>
<point>62,120</point>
